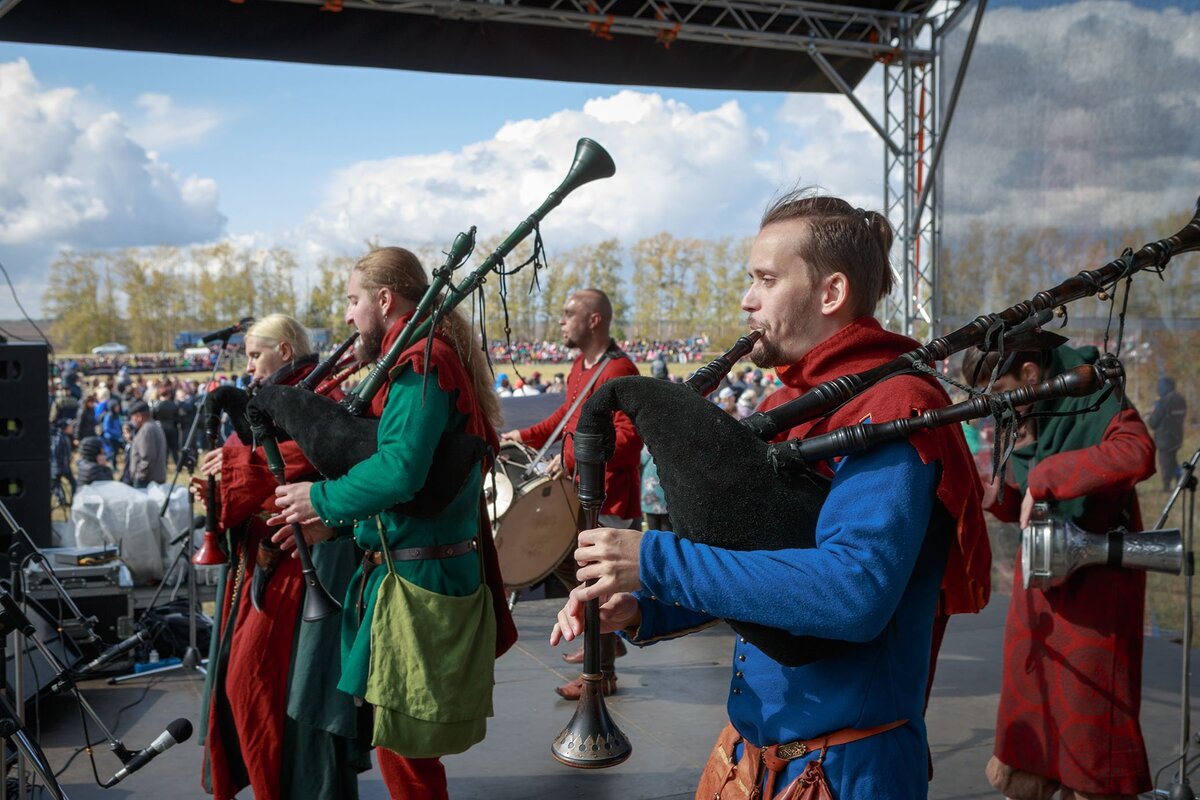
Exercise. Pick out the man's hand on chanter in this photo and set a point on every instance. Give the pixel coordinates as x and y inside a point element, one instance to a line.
<point>617,613</point>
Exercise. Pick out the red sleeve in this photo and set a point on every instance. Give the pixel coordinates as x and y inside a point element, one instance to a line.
<point>247,485</point>
<point>627,453</point>
<point>1123,458</point>
<point>244,483</point>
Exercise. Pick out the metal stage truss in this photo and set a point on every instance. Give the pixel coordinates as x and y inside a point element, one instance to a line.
<point>729,44</point>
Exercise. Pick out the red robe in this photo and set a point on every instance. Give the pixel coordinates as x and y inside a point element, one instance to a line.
<point>1072,686</point>
<point>255,682</point>
<point>622,474</point>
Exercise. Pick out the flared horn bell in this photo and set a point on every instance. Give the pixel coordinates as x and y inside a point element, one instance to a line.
<point>318,603</point>
<point>210,553</point>
<point>592,162</point>
<point>1052,550</point>
<point>591,739</point>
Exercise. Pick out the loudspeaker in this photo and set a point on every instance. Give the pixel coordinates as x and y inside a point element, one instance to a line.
<point>25,440</point>
<point>24,402</point>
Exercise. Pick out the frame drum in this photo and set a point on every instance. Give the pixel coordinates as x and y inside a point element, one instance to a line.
<point>533,517</point>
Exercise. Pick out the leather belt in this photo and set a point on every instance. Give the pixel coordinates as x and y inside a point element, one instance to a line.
<point>792,750</point>
<point>774,758</point>
<point>421,553</point>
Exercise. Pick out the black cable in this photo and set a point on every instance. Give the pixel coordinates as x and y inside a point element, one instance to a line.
<point>115,727</point>
<point>17,300</point>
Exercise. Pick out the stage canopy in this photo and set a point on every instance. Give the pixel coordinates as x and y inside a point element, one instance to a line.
<point>705,44</point>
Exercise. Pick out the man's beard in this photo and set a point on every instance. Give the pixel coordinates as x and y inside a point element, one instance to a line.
<point>766,355</point>
<point>370,343</point>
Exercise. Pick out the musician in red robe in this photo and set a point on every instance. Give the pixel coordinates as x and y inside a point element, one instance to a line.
<point>269,678</point>
<point>585,322</point>
<point>1071,691</point>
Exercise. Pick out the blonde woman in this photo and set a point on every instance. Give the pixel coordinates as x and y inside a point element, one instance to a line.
<point>270,679</point>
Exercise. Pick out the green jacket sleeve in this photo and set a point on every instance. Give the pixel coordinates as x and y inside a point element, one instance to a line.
<point>409,431</point>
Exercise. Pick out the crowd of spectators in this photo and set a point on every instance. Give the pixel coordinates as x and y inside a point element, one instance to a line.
<point>122,366</point>
<point>680,351</point>
<point>95,401</point>
<point>120,427</point>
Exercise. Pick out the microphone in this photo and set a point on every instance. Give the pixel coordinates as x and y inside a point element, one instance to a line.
<point>178,731</point>
<point>225,333</point>
<point>117,649</point>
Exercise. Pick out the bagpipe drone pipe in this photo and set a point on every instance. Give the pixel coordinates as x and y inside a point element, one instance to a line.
<point>716,474</point>
<point>1000,331</point>
<point>337,436</point>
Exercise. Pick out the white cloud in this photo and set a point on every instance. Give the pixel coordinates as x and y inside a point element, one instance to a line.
<point>832,146</point>
<point>72,177</point>
<point>1080,115</point>
<point>688,171</point>
<point>165,126</point>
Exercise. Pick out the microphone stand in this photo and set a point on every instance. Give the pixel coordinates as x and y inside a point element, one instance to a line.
<point>13,619</point>
<point>20,537</point>
<point>1181,789</point>
<point>187,460</point>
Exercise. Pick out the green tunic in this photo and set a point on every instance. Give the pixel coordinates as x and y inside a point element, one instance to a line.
<point>408,433</point>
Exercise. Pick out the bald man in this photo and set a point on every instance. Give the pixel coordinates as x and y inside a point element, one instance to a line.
<point>585,323</point>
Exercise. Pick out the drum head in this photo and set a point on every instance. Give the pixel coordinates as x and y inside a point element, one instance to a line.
<point>509,474</point>
<point>537,531</point>
<point>499,496</point>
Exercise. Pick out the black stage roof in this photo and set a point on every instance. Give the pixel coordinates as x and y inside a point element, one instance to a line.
<point>699,43</point>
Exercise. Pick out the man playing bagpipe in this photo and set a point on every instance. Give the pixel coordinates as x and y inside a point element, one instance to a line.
<point>424,617</point>
<point>899,539</point>
<point>1072,686</point>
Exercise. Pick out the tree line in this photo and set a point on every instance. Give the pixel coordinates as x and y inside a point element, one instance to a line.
<point>662,287</point>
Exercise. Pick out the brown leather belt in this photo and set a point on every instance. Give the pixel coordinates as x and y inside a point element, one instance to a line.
<point>776,757</point>
<point>419,553</point>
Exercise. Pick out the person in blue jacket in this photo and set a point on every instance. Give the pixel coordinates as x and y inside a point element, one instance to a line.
<point>112,431</point>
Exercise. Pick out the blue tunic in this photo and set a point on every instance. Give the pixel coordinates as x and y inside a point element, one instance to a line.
<point>873,578</point>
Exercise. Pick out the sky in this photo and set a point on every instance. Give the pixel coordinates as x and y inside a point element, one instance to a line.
<point>111,149</point>
<point>104,149</point>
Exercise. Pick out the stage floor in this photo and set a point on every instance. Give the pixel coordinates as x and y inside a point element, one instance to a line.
<point>671,705</point>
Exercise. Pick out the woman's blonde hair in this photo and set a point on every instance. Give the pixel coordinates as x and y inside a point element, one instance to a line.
<point>400,271</point>
<point>275,329</point>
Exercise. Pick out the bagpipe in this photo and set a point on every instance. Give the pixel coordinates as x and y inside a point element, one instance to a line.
<point>337,436</point>
<point>717,472</point>
<point>233,403</point>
